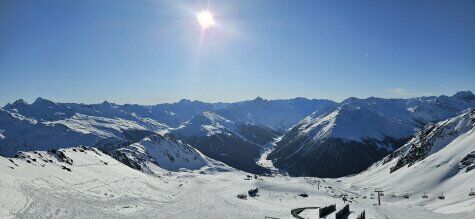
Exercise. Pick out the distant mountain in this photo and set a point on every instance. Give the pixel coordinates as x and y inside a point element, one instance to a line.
<point>236,133</point>
<point>20,133</point>
<point>348,138</point>
<point>236,144</point>
<point>44,110</point>
<point>279,115</point>
<point>45,124</point>
<point>125,140</point>
<point>171,114</point>
<point>276,114</point>
<point>335,140</point>
<point>440,158</point>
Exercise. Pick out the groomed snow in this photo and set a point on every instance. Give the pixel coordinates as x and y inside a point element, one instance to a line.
<point>100,187</point>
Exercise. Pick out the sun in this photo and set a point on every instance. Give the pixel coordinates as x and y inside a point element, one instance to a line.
<point>205,19</point>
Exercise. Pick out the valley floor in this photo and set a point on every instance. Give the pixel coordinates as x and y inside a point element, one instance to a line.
<point>100,187</point>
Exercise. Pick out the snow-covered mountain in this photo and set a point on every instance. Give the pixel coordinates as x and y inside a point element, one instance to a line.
<point>126,140</point>
<point>279,115</point>
<point>171,114</point>
<point>45,125</point>
<point>439,159</point>
<point>346,139</point>
<point>156,153</point>
<point>20,133</point>
<point>45,110</point>
<point>276,114</point>
<point>236,144</point>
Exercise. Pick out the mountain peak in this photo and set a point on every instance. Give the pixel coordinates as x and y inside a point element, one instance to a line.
<point>107,103</point>
<point>464,95</point>
<point>259,99</point>
<point>19,102</point>
<point>184,101</point>
<point>40,100</point>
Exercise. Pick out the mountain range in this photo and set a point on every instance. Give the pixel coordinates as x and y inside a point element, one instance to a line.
<point>304,137</point>
<point>346,139</point>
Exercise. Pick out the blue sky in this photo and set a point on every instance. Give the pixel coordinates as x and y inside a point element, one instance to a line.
<point>154,51</point>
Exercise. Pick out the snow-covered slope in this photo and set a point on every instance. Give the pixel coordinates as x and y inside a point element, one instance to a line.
<point>83,182</point>
<point>350,137</point>
<point>156,153</point>
<point>75,183</point>
<point>206,124</point>
<point>438,160</point>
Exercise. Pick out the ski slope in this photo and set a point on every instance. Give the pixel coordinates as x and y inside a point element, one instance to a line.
<point>98,186</point>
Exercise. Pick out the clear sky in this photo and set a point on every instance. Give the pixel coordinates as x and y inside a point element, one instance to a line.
<point>144,51</point>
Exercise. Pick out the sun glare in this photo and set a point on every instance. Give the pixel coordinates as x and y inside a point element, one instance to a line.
<point>205,19</point>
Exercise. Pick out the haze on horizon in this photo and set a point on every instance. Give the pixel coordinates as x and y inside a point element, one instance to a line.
<point>152,52</point>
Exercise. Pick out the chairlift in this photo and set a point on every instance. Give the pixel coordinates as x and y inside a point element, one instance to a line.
<point>441,196</point>
<point>424,195</point>
<point>471,193</point>
<point>393,195</point>
<point>406,196</point>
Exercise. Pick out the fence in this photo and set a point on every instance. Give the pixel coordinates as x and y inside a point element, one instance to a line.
<point>343,213</point>
<point>362,215</point>
<point>327,210</point>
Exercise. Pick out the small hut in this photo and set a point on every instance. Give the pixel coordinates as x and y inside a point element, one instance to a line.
<point>242,196</point>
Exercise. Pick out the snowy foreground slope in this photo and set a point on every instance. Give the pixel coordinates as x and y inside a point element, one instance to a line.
<point>86,183</point>
<point>440,159</point>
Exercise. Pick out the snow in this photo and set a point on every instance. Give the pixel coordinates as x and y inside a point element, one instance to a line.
<point>276,114</point>
<point>156,154</point>
<point>174,180</point>
<point>437,173</point>
<point>113,190</point>
<point>206,124</point>
<point>103,127</point>
<point>376,118</point>
<point>267,163</point>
